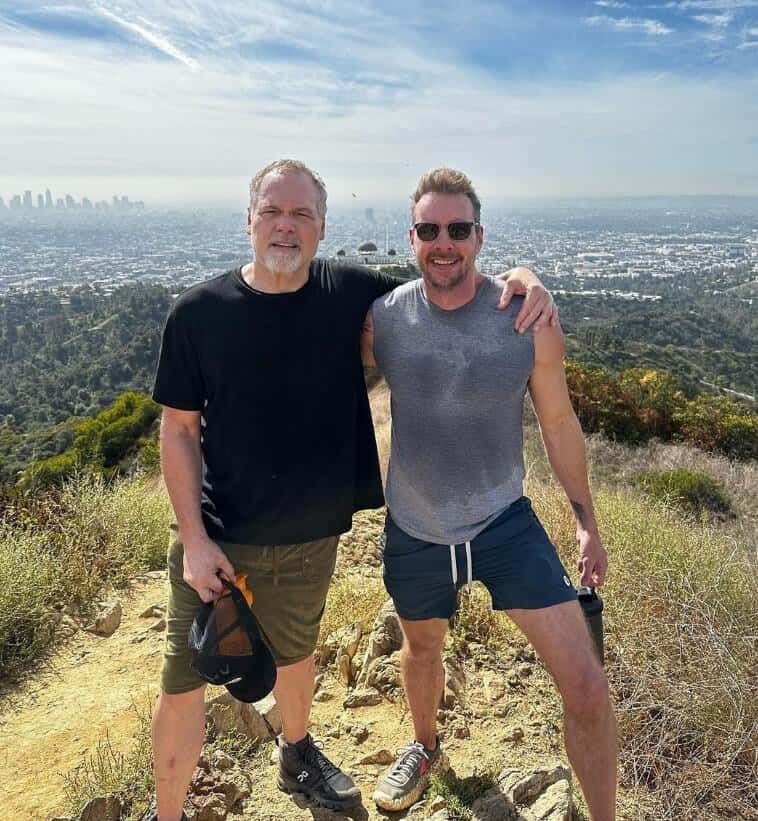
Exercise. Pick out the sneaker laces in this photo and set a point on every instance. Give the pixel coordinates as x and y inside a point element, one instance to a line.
<point>314,754</point>
<point>409,759</point>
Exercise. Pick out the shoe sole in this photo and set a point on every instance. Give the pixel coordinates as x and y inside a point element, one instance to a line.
<point>384,802</point>
<point>326,803</point>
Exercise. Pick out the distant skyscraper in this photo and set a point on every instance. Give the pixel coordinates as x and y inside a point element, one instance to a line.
<point>48,198</point>
<point>59,203</point>
<point>16,201</point>
<point>27,199</point>
<point>70,202</point>
<point>2,204</point>
<point>369,212</point>
<point>40,201</point>
<point>86,204</point>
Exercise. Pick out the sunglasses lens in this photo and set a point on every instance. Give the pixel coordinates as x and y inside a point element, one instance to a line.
<point>427,231</point>
<point>459,230</point>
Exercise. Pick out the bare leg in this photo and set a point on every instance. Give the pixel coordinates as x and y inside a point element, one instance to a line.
<point>559,634</point>
<point>178,731</point>
<point>423,674</point>
<point>294,694</point>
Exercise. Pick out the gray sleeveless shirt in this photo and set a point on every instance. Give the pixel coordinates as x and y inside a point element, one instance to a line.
<point>457,381</point>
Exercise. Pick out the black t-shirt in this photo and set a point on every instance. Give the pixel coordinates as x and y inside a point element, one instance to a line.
<point>286,434</point>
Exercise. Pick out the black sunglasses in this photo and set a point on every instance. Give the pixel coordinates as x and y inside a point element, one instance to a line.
<point>427,231</point>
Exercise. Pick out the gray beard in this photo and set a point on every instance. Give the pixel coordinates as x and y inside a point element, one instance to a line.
<point>282,262</point>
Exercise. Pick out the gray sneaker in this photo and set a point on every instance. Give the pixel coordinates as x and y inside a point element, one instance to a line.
<point>407,779</point>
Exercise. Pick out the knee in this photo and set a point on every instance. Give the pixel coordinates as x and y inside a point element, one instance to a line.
<point>424,650</point>
<point>180,702</point>
<point>587,696</point>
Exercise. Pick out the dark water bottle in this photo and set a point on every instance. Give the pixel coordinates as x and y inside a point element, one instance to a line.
<point>592,607</point>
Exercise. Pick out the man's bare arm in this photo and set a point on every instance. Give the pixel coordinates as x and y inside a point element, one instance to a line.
<point>367,342</point>
<point>564,445</point>
<point>538,307</point>
<point>182,465</point>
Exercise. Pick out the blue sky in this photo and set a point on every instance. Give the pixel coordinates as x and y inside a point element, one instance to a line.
<point>183,101</point>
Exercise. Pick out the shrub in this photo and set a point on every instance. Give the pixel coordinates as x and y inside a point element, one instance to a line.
<point>680,616</point>
<point>602,405</point>
<point>64,547</point>
<point>720,423</point>
<point>692,490</point>
<point>27,620</point>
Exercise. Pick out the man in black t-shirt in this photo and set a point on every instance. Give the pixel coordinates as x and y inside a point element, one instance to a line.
<point>267,450</point>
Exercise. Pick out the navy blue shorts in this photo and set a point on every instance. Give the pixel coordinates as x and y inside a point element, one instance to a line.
<point>513,557</point>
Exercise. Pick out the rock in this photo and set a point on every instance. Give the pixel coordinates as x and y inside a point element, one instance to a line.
<point>211,808</point>
<point>494,687</point>
<point>343,644</point>
<point>382,756</point>
<point>384,673</point>
<point>102,808</point>
<point>455,683</point>
<point>524,787</point>
<point>260,720</point>
<point>156,574</point>
<point>158,626</point>
<point>362,698</point>
<point>515,734</point>
<point>386,637</point>
<point>231,792</point>
<point>67,626</point>
<point>155,611</point>
<point>108,619</point>
<point>524,670</point>
<point>461,731</point>
<point>222,761</point>
<point>359,733</point>
<point>440,815</point>
<point>323,695</point>
<point>554,804</point>
<point>493,806</point>
<point>438,803</point>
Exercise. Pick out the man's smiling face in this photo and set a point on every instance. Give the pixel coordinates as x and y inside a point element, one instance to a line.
<point>285,224</point>
<point>445,263</point>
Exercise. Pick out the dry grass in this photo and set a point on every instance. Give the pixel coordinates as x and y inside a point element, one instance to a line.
<point>65,548</point>
<point>680,618</point>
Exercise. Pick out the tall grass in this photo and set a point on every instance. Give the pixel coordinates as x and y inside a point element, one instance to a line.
<point>64,548</point>
<point>681,615</point>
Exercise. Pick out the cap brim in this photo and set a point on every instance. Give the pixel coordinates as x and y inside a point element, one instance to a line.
<point>259,680</point>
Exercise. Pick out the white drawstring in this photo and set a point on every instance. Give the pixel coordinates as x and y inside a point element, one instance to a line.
<point>469,565</point>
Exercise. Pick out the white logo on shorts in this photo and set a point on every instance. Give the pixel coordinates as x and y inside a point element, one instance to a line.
<point>566,581</point>
<point>303,775</point>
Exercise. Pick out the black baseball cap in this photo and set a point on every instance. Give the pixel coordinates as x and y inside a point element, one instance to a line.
<point>227,648</point>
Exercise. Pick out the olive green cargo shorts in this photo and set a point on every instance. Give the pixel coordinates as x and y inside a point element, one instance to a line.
<point>289,584</point>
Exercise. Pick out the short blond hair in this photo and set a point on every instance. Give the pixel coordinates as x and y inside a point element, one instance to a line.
<point>446,181</point>
<point>283,167</point>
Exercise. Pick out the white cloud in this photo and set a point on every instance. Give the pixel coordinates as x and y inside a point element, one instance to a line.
<point>611,4</point>
<point>716,20</point>
<point>714,5</point>
<point>161,43</point>
<point>651,27</point>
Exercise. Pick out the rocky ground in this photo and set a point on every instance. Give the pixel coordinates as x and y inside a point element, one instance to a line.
<point>499,716</point>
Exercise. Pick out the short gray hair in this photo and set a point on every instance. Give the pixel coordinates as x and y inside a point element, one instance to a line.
<point>282,167</point>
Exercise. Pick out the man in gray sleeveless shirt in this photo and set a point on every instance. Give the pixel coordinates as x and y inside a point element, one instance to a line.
<point>457,373</point>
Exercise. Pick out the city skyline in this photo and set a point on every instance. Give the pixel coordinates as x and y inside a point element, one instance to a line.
<point>180,103</point>
<point>46,202</point>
